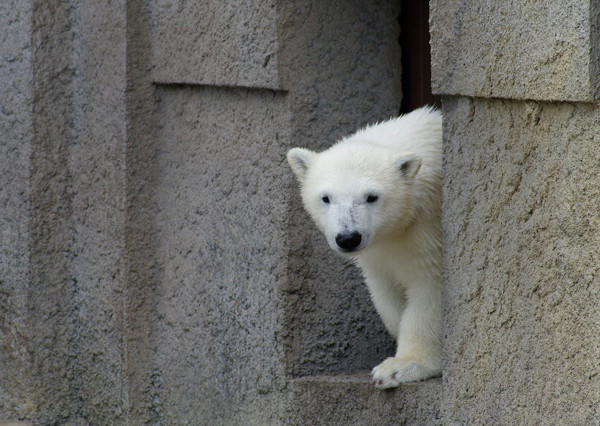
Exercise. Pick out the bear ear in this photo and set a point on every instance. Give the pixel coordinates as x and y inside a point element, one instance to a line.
<point>408,165</point>
<point>300,159</point>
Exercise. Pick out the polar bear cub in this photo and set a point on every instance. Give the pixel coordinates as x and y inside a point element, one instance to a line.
<point>376,195</point>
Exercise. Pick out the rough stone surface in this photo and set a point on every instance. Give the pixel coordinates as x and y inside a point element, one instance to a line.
<point>15,151</point>
<point>350,400</point>
<point>544,50</point>
<point>216,249</point>
<point>50,289</point>
<point>98,191</point>
<point>61,269</point>
<point>521,229</point>
<point>214,42</point>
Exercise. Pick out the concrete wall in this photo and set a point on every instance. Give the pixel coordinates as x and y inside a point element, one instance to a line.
<point>15,152</point>
<point>225,304</point>
<point>156,265</point>
<point>521,203</point>
<point>63,212</point>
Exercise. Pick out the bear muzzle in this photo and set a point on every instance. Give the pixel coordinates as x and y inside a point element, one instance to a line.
<point>348,241</point>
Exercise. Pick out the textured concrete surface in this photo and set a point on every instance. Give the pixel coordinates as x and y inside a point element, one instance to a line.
<point>214,42</point>
<point>15,151</point>
<point>61,269</point>
<point>350,400</point>
<point>521,230</point>
<point>544,50</point>
<point>98,191</point>
<point>520,211</point>
<point>231,288</point>
<point>218,250</point>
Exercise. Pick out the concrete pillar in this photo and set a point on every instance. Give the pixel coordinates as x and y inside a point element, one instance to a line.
<point>520,213</point>
<point>63,212</point>
<point>16,130</point>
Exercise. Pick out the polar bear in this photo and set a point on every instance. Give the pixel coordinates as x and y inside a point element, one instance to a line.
<point>376,195</point>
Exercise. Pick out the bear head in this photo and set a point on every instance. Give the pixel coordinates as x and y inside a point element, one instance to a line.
<point>357,194</point>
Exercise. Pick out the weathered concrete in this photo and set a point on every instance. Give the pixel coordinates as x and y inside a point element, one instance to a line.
<point>50,288</point>
<point>16,130</point>
<point>62,271</point>
<point>521,222</point>
<point>215,339</point>
<point>544,50</point>
<point>98,191</point>
<point>350,400</point>
<point>521,230</point>
<point>215,43</point>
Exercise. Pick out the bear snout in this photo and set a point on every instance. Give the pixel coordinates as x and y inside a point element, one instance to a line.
<point>348,241</point>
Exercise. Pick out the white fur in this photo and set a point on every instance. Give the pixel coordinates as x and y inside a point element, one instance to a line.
<point>399,162</point>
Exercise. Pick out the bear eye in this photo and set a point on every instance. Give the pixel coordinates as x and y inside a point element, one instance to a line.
<point>372,198</point>
<point>325,199</point>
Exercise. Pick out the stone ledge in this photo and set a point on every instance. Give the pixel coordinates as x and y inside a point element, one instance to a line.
<point>351,399</point>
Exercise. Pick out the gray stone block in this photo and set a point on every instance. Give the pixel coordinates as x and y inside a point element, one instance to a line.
<point>16,94</point>
<point>351,400</point>
<point>544,50</point>
<point>214,43</point>
<point>63,212</point>
<point>521,232</point>
<point>215,250</point>
<point>232,288</point>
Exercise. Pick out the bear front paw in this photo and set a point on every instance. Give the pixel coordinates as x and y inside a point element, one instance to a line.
<point>393,371</point>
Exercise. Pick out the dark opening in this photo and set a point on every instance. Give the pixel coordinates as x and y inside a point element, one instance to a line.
<point>416,56</point>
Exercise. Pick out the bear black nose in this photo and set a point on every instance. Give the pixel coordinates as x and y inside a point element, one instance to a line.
<point>348,241</point>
